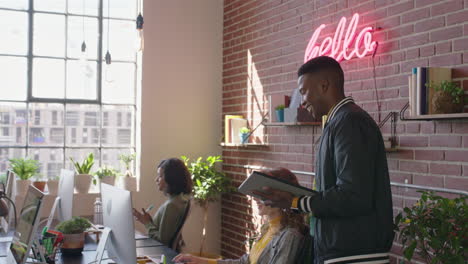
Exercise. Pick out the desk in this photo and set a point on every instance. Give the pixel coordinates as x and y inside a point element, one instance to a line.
<point>145,247</point>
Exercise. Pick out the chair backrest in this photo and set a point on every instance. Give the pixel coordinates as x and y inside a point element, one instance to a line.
<point>176,240</point>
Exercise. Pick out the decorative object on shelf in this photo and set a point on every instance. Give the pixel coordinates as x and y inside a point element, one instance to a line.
<point>236,124</point>
<point>227,127</point>
<point>83,177</point>
<point>73,235</point>
<point>436,228</point>
<point>105,174</point>
<point>52,185</point>
<point>280,113</point>
<point>244,134</point>
<point>448,97</point>
<point>25,169</point>
<point>140,42</point>
<point>208,185</point>
<point>129,181</point>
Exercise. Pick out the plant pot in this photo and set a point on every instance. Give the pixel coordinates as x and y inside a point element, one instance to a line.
<point>442,103</point>
<point>244,137</point>
<point>129,183</point>
<point>22,187</point>
<point>82,183</point>
<point>73,244</point>
<point>52,185</point>
<point>280,115</point>
<point>40,185</point>
<point>108,180</point>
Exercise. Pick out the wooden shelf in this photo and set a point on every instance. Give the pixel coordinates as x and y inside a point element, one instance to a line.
<point>436,117</point>
<point>431,117</point>
<point>244,145</point>
<point>294,124</point>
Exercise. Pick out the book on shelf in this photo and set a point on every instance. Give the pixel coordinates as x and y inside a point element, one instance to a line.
<point>420,92</point>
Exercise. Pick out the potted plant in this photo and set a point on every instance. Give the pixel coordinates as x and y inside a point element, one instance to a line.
<point>39,182</point>
<point>25,169</point>
<point>280,113</point>
<point>105,174</point>
<point>436,228</point>
<point>83,178</point>
<point>52,185</point>
<point>244,133</point>
<point>73,235</point>
<point>448,97</point>
<point>208,185</point>
<point>129,181</point>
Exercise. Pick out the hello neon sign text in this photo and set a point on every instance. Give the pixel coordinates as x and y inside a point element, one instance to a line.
<point>342,47</point>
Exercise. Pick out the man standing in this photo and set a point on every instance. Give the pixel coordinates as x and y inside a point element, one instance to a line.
<point>352,212</point>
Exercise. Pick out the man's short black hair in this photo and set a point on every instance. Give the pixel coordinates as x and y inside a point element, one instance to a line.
<point>323,64</point>
<point>176,176</point>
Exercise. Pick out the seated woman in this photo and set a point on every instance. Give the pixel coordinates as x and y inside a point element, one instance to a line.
<point>174,180</point>
<point>280,239</point>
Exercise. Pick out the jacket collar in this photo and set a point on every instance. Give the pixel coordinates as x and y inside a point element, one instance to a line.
<point>335,109</point>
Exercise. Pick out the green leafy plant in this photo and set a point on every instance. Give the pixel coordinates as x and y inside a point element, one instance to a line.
<point>127,159</point>
<point>85,167</point>
<point>76,225</point>
<point>436,228</point>
<point>103,172</point>
<point>25,168</point>
<point>244,130</point>
<point>208,184</point>
<point>280,107</point>
<point>450,88</point>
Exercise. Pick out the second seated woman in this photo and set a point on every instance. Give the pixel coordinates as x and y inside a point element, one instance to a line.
<point>281,236</point>
<point>174,180</point>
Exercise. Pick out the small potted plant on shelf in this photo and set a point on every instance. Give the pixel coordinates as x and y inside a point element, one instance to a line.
<point>83,177</point>
<point>52,185</point>
<point>39,182</point>
<point>129,181</point>
<point>244,133</point>
<point>280,113</point>
<point>208,186</point>
<point>24,169</point>
<point>73,235</point>
<point>448,97</point>
<point>105,174</point>
<point>435,228</point>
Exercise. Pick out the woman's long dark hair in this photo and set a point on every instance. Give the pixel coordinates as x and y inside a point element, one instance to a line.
<point>176,176</point>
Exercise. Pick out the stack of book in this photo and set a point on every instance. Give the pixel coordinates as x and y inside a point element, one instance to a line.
<point>420,93</point>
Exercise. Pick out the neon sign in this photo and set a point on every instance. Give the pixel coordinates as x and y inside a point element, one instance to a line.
<point>340,47</point>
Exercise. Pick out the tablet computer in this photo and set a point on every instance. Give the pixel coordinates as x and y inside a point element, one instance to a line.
<point>257,180</point>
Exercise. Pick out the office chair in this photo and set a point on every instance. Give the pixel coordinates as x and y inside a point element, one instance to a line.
<point>176,242</point>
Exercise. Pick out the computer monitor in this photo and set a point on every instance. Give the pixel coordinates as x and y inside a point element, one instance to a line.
<point>27,226</point>
<point>117,215</point>
<point>63,204</point>
<point>10,192</point>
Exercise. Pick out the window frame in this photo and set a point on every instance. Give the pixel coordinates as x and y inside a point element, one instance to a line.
<point>30,99</point>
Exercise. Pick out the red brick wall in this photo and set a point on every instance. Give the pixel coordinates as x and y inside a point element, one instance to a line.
<point>264,44</point>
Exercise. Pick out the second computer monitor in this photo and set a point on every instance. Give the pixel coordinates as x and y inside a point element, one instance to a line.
<point>10,192</point>
<point>117,215</point>
<point>65,192</point>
